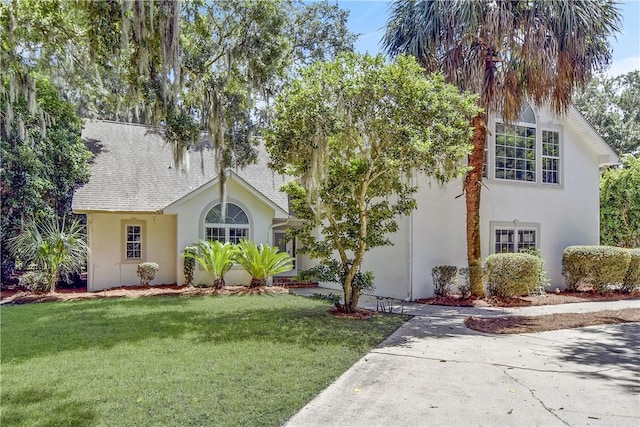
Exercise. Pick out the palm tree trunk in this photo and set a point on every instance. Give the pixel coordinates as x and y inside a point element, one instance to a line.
<point>472,187</point>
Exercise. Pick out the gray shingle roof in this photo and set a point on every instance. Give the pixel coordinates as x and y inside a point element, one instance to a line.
<point>133,171</point>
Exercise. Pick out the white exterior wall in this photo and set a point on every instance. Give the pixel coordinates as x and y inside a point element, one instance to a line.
<point>106,266</point>
<point>190,228</point>
<point>567,214</point>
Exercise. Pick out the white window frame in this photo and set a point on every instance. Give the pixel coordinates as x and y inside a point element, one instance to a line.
<point>125,224</point>
<point>515,226</point>
<point>539,129</point>
<point>227,227</point>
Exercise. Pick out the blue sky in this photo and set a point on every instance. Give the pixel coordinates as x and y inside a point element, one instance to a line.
<point>368,18</point>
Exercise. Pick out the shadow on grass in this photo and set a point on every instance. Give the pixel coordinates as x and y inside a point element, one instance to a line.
<point>103,324</point>
<point>613,352</point>
<point>18,405</point>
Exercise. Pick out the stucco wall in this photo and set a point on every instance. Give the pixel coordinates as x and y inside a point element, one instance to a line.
<point>191,212</point>
<point>567,214</point>
<point>106,267</point>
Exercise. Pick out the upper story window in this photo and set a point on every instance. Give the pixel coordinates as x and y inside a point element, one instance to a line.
<point>524,151</point>
<point>233,229</point>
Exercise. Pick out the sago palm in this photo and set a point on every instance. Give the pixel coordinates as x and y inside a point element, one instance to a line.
<point>53,247</point>
<point>262,261</point>
<point>506,51</point>
<point>215,257</point>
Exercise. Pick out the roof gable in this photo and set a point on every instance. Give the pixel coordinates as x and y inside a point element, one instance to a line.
<point>133,171</point>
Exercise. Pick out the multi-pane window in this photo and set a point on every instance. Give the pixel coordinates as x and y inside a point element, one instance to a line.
<point>133,244</point>
<point>513,239</point>
<point>515,152</point>
<point>524,152</point>
<point>550,156</point>
<point>234,228</point>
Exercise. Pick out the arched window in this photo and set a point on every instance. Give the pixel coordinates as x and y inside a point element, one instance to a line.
<point>526,151</point>
<point>234,228</point>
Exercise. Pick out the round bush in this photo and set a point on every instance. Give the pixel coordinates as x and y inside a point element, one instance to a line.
<point>602,266</point>
<point>512,274</point>
<point>631,280</point>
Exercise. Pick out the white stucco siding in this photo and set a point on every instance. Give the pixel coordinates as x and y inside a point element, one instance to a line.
<point>190,227</point>
<point>107,264</point>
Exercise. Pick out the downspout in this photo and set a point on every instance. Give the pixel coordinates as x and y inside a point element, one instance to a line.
<point>413,184</point>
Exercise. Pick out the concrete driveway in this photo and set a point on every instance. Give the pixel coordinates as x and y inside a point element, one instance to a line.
<point>434,371</point>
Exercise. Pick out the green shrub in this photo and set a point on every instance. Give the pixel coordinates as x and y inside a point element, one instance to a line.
<point>542,280</point>
<point>189,263</point>
<point>262,261</point>
<point>34,281</point>
<point>631,280</point>
<point>601,266</point>
<point>464,287</point>
<point>444,278</point>
<point>146,272</point>
<point>215,257</point>
<point>512,274</point>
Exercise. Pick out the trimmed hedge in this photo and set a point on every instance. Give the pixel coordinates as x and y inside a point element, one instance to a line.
<point>512,274</point>
<point>445,278</point>
<point>602,266</point>
<point>146,272</point>
<point>631,280</point>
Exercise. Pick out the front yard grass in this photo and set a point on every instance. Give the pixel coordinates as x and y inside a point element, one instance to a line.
<point>224,361</point>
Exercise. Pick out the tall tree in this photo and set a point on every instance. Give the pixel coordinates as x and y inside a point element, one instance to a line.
<point>612,106</point>
<point>620,204</point>
<point>39,167</point>
<point>506,52</point>
<point>352,130</point>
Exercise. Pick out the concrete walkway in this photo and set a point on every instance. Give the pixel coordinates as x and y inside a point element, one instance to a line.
<point>433,371</point>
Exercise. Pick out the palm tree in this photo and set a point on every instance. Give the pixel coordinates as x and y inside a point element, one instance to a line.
<point>505,51</point>
<point>215,257</point>
<point>262,261</point>
<point>53,247</point>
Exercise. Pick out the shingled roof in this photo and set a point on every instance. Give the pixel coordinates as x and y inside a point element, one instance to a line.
<point>133,171</point>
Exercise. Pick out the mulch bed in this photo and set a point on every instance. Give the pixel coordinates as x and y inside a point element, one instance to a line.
<point>26,297</point>
<point>550,322</point>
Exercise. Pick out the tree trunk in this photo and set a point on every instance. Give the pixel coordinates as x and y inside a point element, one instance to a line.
<point>472,188</point>
<point>258,283</point>
<point>218,283</point>
<point>351,294</point>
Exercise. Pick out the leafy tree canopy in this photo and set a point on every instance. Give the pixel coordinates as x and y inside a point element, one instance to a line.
<point>620,204</point>
<point>352,131</point>
<point>40,165</point>
<point>612,105</point>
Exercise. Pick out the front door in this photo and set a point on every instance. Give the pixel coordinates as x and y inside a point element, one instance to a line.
<point>288,247</point>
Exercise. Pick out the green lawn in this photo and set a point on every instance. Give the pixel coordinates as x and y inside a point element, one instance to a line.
<point>223,361</point>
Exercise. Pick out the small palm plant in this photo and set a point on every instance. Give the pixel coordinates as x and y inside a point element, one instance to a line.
<point>53,247</point>
<point>262,261</point>
<point>215,257</point>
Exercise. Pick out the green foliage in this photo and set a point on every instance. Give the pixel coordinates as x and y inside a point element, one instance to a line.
<point>331,271</point>
<point>189,263</point>
<point>631,280</point>
<point>602,266</point>
<point>52,246</point>
<point>39,171</point>
<point>612,106</point>
<point>444,278</point>
<point>542,281</point>
<point>35,281</point>
<point>512,274</point>
<point>331,297</point>
<point>147,272</point>
<point>262,261</point>
<point>215,257</point>
<point>352,130</point>
<point>464,286</point>
<point>620,204</point>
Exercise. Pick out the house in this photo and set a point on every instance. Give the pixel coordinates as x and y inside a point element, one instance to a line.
<point>542,179</point>
<point>139,207</point>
